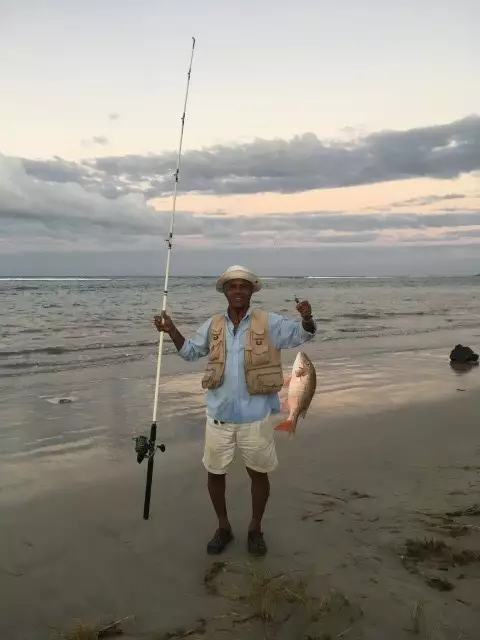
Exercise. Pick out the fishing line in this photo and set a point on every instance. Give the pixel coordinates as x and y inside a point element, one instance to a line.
<point>146,447</point>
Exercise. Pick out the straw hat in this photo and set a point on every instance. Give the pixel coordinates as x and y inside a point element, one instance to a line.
<point>238,273</point>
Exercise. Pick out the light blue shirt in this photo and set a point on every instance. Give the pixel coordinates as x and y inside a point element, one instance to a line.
<point>231,402</point>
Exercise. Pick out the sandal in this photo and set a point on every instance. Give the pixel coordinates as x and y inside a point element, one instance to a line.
<point>256,543</point>
<point>221,539</point>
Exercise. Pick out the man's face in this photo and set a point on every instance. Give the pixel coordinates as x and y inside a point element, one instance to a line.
<point>238,293</point>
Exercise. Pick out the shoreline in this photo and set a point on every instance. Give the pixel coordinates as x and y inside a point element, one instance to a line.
<point>141,352</point>
<point>43,440</point>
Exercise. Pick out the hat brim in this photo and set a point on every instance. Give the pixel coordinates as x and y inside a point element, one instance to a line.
<point>238,275</point>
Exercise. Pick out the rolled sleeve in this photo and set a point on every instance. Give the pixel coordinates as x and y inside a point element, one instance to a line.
<point>198,346</point>
<point>306,335</point>
<point>286,333</point>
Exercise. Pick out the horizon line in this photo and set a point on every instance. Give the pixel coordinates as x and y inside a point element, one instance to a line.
<point>280,277</point>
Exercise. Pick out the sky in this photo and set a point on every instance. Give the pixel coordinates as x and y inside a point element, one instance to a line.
<point>321,138</point>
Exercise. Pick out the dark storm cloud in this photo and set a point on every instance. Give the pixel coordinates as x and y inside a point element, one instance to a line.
<point>305,162</point>
<point>283,166</point>
<point>56,170</point>
<point>105,200</point>
<point>64,206</point>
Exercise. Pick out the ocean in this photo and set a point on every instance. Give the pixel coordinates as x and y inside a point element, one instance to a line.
<point>78,359</point>
<point>55,324</point>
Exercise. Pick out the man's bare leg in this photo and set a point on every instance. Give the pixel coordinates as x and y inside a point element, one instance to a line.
<point>223,536</point>
<point>216,489</point>
<point>260,496</point>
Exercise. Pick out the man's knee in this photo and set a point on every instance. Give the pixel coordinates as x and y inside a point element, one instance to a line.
<point>215,479</point>
<point>217,460</point>
<point>257,476</point>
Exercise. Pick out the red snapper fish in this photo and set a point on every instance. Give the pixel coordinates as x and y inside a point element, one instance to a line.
<point>302,384</point>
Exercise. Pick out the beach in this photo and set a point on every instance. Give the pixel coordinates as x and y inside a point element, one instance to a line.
<point>374,457</point>
<point>388,450</point>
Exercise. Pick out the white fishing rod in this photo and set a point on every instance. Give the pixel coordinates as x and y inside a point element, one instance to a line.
<point>146,448</point>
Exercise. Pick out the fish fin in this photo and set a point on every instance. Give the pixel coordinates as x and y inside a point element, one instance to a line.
<point>285,425</point>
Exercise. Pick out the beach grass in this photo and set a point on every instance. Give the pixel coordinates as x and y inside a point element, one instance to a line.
<point>82,631</point>
<point>273,598</point>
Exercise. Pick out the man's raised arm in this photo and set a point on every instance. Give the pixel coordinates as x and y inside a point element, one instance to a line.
<point>286,333</point>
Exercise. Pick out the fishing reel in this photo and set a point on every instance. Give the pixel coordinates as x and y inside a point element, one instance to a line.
<point>146,448</point>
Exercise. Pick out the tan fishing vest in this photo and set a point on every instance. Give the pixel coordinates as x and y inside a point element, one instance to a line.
<point>263,362</point>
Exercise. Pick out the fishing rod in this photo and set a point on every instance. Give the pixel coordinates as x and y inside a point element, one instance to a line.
<point>147,447</point>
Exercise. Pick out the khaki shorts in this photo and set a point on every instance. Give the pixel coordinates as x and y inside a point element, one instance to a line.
<point>255,441</point>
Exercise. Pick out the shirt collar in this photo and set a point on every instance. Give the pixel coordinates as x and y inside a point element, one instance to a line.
<point>247,315</point>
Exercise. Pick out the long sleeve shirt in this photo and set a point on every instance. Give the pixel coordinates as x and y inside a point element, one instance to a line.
<point>231,401</point>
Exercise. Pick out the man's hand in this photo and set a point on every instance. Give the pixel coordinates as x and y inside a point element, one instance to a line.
<point>163,322</point>
<point>304,309</point>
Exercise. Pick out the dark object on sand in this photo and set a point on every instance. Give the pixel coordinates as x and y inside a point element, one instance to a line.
<point>469,511</point>
<point>463,355</point>
<point>441,584</point>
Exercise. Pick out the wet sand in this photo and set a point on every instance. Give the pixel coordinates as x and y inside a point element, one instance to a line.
<point>390,441</point>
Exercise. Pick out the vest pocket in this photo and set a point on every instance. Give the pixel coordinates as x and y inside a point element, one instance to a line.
<point>216,346</point>
<point>259,353</point>
<point>267,381</point>
<point>209,380</point>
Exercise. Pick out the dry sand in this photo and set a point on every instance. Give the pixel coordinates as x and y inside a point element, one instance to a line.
<point>372,466</point>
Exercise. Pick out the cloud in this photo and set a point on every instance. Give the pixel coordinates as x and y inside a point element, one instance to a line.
<point>61,208</point>
<point>105,202</point>
<point>445,237</point>
<point>102,140</point>
<point>427,200</point>
<point>284,166</point>
<point>99,140</point>
<point>357,222</point>
<point>64,171</point>
<point>56,170</point>
<point>305,162</point>
<point>36,211</point>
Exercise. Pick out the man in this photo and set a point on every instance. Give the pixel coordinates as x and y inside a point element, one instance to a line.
<point>242,379</point>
